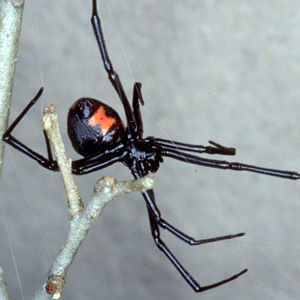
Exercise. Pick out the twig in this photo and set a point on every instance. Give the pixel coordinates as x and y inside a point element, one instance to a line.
<point>81,219</point>
<point>50,120</point>
<point>11,13</point>
<point>3,292</point>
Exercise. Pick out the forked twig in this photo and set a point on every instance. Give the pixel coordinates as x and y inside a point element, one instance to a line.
<point>81,219</point>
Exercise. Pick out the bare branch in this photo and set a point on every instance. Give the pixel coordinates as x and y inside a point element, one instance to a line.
<point>11,13</point>
<point>81,219</point>
<point>3,292</point>
<point>50,120</point>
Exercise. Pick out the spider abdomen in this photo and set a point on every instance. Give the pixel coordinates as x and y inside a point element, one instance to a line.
<point>93,126</point>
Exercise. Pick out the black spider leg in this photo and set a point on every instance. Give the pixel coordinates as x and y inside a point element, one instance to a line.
<point>9,139</point>
<point>225,150</point>
<point>99,161</point>
<point>137,97</point>
<point>218,149</point>
<point>223,164</point>
<point>112,74</point>
<point>154,225</point>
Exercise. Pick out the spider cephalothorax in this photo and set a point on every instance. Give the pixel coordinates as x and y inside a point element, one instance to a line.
<point>142,156</point>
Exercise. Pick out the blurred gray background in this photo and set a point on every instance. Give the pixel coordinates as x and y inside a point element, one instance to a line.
<point>226,71</point>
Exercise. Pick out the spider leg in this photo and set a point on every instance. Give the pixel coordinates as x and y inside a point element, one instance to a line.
<point>154,225</point>
<point>137,96</point>
<point>190,240</point>
<point>222,164</point>
<point>98,161</point>
<point>218,149</point>
<point>9,139</point>
<point>112,74</point>
<point>151,205</point>
<point>226,150</point>
<point>48,147</point>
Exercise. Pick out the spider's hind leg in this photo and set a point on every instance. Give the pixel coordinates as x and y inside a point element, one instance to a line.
<point>162,246</point>
<point>190,240</point>
<point>154,225</point>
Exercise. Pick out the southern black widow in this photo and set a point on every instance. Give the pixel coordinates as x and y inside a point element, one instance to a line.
<point>97,133</point>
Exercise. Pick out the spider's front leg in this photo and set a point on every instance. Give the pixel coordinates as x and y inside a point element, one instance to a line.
<point>136,99</point>
<point>9,139</point>
<point>112,74</point>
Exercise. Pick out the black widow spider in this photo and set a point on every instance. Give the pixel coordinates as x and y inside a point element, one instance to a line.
<point>98,134</point>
